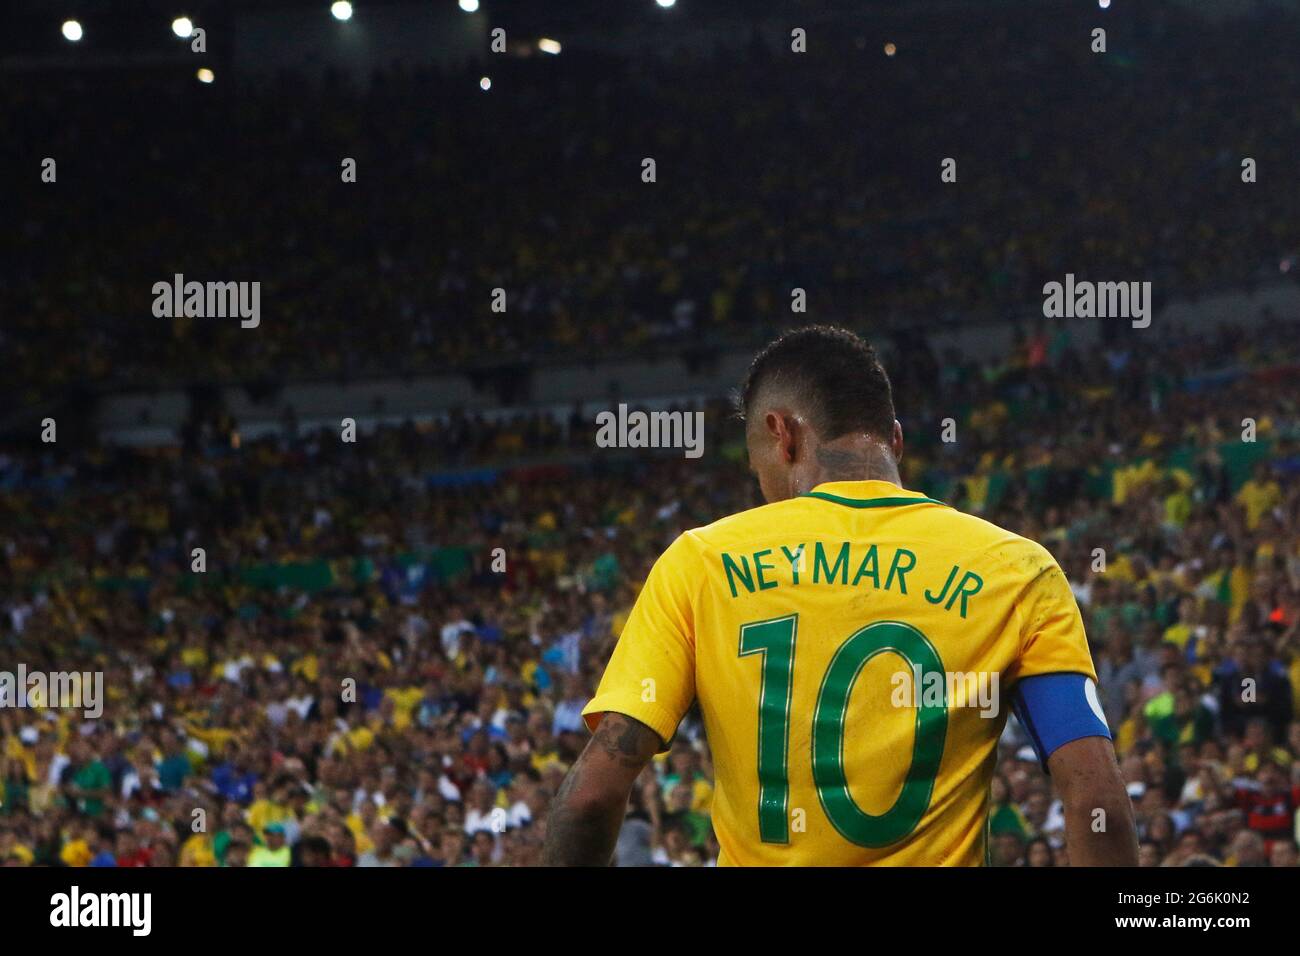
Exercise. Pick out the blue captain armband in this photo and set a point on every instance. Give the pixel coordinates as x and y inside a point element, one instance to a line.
<point>1055,709</point>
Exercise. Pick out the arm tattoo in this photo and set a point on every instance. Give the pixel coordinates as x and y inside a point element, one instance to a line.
<point>588,809</point>
<point>627,741</point>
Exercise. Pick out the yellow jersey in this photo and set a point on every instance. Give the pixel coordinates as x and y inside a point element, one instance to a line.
<point>850,650</point>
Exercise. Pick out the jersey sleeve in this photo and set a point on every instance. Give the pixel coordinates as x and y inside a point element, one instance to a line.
<point>651,674</point>
<point>1053,681</point>
<point>1052,640</point>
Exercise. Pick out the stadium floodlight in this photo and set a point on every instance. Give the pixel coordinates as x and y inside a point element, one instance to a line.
<point>341,10</point>
<point>1104,4</point>
<point>182,27</point>
<point>71,30</point>
<point>469,6</point>
<point>205,75</point>
<point>485,83</point>
<point>547,45</point>
<point>666,3</point>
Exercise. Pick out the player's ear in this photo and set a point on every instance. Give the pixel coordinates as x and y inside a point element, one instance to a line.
<point>779,427</point>
<point>788,436</point>
<point>896,441</point>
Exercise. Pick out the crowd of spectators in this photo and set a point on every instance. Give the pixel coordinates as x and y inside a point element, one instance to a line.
<point>775,170</point>
<point>319,653</point>
<point>378,660</point>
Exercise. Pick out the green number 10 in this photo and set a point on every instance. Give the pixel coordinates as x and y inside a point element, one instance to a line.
<point>775,641</point>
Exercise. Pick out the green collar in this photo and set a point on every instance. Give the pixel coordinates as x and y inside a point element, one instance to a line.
<point>870,502</point>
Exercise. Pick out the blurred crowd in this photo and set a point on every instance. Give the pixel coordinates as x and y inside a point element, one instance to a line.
<point>775,170</point>
<point>317,653</point>
<point>326,654</point>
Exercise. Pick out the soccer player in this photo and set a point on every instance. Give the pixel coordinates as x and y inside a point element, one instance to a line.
<point>852,646</point>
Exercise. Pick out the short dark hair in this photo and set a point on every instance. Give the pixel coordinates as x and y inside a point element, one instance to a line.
<point>835,373</point>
